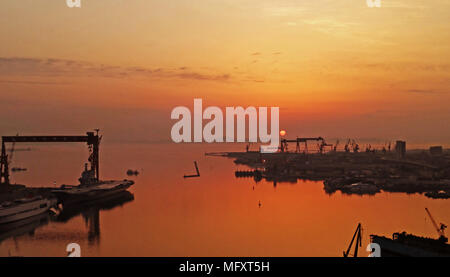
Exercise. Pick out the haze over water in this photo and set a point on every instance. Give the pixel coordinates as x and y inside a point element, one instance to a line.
<point>214,215</point>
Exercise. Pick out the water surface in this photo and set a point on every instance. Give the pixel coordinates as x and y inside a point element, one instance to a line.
<point>214,215</point>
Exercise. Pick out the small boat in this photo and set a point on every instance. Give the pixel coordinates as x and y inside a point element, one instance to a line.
<point>19,209</point>
<point>90,189</point>
<point>131,172</point>
<point>16,169</point>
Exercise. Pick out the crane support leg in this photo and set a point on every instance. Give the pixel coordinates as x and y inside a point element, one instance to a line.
<point>4,171</point>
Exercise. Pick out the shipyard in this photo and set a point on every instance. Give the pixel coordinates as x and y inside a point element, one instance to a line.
<point>221,137</point>
<point>351,169</point>
<point>355,171</point>
<point>21,205</point>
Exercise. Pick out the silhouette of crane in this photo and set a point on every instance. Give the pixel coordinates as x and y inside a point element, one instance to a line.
<point>298,141</point>
<point>91,139</point>
<point>439,228</point>
<point>335,146</point>
<point>358,236</point>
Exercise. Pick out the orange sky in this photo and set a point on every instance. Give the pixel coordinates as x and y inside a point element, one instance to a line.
<point>335,68</point>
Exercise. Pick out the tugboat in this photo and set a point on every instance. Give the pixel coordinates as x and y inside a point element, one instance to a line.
<point>90,188</point>
<point>12,211</point>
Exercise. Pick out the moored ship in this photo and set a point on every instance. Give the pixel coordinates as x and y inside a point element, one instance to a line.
<point>90,189</point>
<point>19,209</point>
<point>408,245</point>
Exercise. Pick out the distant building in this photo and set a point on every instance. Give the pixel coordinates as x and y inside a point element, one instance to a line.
<point>400,148</point>
<point>436,150</point>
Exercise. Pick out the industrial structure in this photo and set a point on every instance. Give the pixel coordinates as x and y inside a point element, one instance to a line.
<point>298,141</point>
<point>439,228</point>
<point>358,236</point>
<point>92,139</point>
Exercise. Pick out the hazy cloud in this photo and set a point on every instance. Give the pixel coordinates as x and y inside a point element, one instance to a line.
<point>422,91</point>
<point>26,67</point>
<point>402,66</point>
<point>32,82</point>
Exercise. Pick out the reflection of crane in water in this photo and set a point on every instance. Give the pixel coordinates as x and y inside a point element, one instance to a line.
<point>439,228</point>
<point>92,221</point>
<point>358,236</point>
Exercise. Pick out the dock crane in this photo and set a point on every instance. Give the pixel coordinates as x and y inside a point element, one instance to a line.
<point>358,236</point>
<point>355,146</point>
<point>91,139</point>
<point>347,146</point>
<point>440,229</point>
<point>335,146</point>
<point>298,141</point>
<point>323,145</point>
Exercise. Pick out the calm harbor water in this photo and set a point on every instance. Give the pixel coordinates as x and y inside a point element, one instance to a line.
<point>214,215</point>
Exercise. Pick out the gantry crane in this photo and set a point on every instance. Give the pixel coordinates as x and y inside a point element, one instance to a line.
<point>284,143</point>
<point>439,228</point>
<point>91,139</point>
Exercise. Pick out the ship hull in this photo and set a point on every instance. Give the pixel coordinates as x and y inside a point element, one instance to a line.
<point>393,248</point>
<point>77,195</point>
<point>25,210</point>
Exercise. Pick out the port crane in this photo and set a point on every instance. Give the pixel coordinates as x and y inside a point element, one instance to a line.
<point>439,228</point>
<point>335,146</point>
<point>91,139</point>
<point>323,145</point>
<point>351,145</point>
<point>355,146</point>
<point>358,236</point>
<point>298,141</point>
